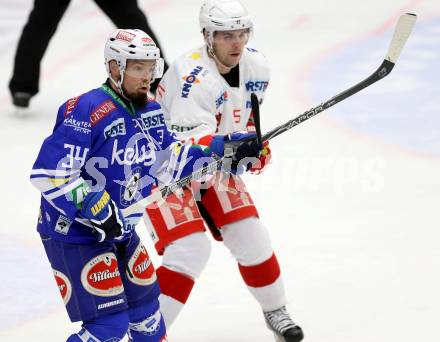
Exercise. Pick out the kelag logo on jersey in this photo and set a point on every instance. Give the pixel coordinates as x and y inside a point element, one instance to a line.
<point>256,85</point>
<point>133,154</point>
<point>190,80</point>
<point>117,127</point>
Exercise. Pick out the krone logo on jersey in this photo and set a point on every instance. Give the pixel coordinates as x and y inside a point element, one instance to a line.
<point>64,285</point>
<point>190,80</point>
<point>100,276</point>
<point>141,267</point>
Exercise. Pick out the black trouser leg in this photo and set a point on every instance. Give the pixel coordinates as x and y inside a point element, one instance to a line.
<point>39,29</point>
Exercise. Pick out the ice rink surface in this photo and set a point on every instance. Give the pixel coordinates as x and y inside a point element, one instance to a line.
<point>351,199</point>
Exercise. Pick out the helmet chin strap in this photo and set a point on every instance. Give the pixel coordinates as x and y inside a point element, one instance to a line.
<point>118,84</point>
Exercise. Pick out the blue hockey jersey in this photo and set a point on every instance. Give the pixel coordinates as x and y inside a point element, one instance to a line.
<point>101,142</point>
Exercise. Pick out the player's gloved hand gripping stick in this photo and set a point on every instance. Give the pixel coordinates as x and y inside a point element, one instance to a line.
<point>106,218</point>
<point>241,147</point>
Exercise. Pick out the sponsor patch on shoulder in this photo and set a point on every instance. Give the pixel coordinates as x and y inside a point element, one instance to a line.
<point>70,106</point>
<point>102,111</point>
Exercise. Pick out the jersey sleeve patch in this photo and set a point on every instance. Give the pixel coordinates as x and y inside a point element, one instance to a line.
<point>102,111</point>
<point>70,106</point>
<point>190,80</point>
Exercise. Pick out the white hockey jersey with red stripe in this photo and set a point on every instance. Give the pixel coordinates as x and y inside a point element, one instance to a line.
<point>197,101</point>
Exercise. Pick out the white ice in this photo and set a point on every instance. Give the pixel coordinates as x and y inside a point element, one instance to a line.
<point>353,219</point>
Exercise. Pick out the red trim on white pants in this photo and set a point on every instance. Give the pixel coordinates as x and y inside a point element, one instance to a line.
<point>262,274</point>
<point>174,284</point>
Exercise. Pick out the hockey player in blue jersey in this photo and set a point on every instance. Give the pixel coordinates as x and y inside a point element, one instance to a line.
<point>109,147</point>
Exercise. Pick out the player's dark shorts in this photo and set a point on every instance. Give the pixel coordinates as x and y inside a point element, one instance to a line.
<point>102,278</point>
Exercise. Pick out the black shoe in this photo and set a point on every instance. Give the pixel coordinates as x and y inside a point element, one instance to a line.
<point>21,99</point>
<point>283,327</point>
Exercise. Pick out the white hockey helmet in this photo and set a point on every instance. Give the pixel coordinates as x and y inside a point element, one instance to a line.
<point>223,15</point>
<point>123,44</point>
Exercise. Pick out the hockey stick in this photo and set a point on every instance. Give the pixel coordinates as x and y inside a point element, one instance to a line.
<point>403,29</point>
<point>255,105</point>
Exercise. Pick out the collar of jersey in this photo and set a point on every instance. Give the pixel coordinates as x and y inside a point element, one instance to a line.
<point>129,108</point>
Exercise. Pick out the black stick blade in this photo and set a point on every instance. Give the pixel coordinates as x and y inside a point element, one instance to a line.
<point>255,105</point>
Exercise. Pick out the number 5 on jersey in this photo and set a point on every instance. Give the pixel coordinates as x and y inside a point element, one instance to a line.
<point>237,115</point>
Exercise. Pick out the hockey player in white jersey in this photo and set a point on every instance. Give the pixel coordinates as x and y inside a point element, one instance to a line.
<point>205,92</point>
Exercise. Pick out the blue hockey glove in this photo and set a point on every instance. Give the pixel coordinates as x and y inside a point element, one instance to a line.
<point>241,145</point>
<point>106,218</point>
